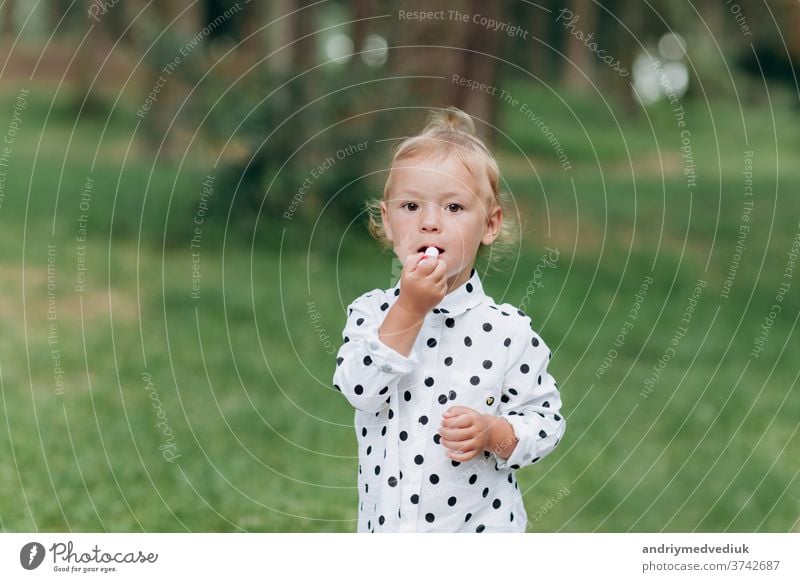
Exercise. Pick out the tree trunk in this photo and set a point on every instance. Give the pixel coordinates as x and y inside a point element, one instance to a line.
<point>578,71</point>
<point>8,28</point>
<point>479,63</point>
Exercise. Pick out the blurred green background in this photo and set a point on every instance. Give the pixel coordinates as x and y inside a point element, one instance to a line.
<point>177,254</point>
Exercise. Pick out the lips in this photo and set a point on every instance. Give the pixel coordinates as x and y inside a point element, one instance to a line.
<point>425,246</point>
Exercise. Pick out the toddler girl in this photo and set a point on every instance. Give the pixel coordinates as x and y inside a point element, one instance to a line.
<point>451,390</point>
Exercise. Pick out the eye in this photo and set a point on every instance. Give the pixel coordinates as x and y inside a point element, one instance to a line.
<point>410,206</point>
<point>453,207</point>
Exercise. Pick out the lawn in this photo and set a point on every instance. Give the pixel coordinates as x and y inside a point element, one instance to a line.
<point>131,404</point>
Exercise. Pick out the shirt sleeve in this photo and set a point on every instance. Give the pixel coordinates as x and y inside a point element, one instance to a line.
<point>531,403</point>
<point>367,370</point>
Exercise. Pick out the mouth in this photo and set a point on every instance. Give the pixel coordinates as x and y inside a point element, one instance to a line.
<point>424,247</point>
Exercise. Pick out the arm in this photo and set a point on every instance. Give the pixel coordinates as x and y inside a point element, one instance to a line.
<point>423,287</point>
<point>371,361</point>
<point>367,371</point>
<point>530,404</point>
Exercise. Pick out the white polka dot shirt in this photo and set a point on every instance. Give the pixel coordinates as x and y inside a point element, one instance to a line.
<point>469,352</point>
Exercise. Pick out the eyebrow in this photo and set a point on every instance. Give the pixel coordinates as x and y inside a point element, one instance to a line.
<point>439,196</point>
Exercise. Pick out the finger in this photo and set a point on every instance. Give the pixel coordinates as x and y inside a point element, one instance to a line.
<point>427,266</point>
<point>410,264</point>
<point>456,411</point>
<point>457,434</point>
<point>460,446</point>
<point>463,421</point>
<point>462,456</point>
<point>441,268</point>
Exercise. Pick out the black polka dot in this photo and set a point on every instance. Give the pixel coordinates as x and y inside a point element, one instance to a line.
<point>384,307</point>
<point>468,341</point>
<point>507,342</point>
<point>377,469</point>
<point>429,517</point>
<point>485,492</point>
<point>384,390</point>
<point>391,414</point>
<point>437,438</point>
<point>466,517</point>
<point>511,517</point>
<point>535,342</point>
<point>455,463</point>
<point>381,519</point>
<point>403,435</point>
<point>419,459</point>
<point>339,361</point>
<point>487,364</point>
<point>434,478</point>
<point>513,391</point>
<point>358,389</point>
<point>392,481</point>
<point>524,368</point>
<point>469,287</point>
<point>539,380</point>
<point>487,327</point>
<point>431,343</point>
<point>504,398</point>
<point>545,404</point>
<point>448,361</point>
<point>475,380</point>
<point>367,360</point>
<point>429,381</point>
<point>396,292</point>
<point>451,501</point>
<point>369,449</point>
<point>442,399</point>
<point>415,499</point>
<point>359,321</point>
<point>423,419</point>
<point>407,396</point>
<point>364,431</point>
<point>449,321</point>
<point>452,395</point>
<point>383,431</point>
<point>480,528</point>
<point>557,417</point>
<point>496,504</point>
<point>473,479</point>
<point>542,434</point>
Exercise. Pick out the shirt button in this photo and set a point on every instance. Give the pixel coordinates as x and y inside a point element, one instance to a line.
<point>374,345</point>
<point>386,368</point>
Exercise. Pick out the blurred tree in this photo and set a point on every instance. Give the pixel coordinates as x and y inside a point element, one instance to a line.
<point>578,69</point>
<point>8,28</point>
<point>478,62</point>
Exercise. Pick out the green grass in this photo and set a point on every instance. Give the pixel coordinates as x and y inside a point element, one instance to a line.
<point>243,378</point>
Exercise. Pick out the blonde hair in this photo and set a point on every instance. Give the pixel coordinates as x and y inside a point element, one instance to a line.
<point>448,132</point>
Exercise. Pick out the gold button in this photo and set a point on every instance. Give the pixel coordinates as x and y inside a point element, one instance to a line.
<point>490,400</point>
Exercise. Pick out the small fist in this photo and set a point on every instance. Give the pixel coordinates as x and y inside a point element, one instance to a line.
<point>464,432</point>
<point>423,283</point>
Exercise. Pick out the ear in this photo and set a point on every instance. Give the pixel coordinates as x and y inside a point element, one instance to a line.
<point>494,221</point>
<point>385,220</point>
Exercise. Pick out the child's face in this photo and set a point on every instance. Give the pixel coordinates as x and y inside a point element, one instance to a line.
<point>441,204</point>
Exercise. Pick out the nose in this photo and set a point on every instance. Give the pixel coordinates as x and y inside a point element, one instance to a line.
<point>430,221</point>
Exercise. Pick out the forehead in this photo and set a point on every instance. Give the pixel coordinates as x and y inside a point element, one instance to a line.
<point>440,174</point>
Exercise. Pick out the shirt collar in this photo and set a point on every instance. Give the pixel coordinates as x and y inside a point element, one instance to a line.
<point>468,296</point>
